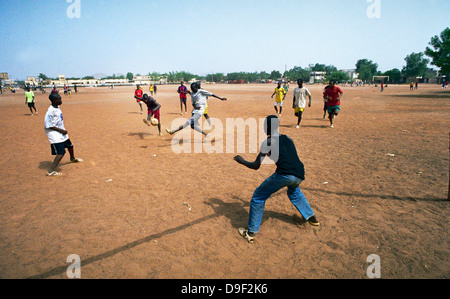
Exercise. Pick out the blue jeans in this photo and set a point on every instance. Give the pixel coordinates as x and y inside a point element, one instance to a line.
<point>269,187</point>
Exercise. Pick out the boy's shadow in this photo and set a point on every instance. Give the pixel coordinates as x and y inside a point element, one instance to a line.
<point>238,213</point>
<point>45,165</point>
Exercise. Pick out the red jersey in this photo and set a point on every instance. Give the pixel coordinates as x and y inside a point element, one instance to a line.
<point>139,93</point>
<point>333,93</point>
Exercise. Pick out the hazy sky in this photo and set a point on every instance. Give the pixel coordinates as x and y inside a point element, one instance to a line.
<point>204,36</point>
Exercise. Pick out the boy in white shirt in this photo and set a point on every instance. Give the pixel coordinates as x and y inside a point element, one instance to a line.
<point>299,105</point>
<point>199,102</point>
<point>57,134</point>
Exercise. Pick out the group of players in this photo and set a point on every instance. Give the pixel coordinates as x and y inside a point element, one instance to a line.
<point>332,100</point>
<point>290,170</point>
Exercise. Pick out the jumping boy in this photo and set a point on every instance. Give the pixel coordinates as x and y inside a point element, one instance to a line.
<point>199,99</point>
<point>138,96</point>
<point>299,104</point>
<point>290,173</point>
<point>279,99</point>
<point>57,134</point>
<point>153,111</point>
<point>29,100</point>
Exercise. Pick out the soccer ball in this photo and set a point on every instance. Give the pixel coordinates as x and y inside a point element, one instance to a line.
<point>154,122</point>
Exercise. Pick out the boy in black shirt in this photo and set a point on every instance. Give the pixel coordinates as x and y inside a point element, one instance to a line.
<point>290,173</point>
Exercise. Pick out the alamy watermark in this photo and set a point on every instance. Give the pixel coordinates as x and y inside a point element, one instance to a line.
<point>374,269</point>
<point>74,270</point>
<point>229,138</point>
<point>374,9</point>
<point>74,9</point>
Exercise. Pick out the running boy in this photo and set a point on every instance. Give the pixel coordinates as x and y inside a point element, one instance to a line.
<point>57,134</point>
<point>333,96</point>
<point>153,111</point>
<point>279,99</point>
<point>138,96</point>
<point>199,99</point>
<point>290,173</point>
<point>29,99</point>
<point>299,104</point>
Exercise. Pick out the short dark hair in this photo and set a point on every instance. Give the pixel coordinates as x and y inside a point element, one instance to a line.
<point>54,96</point>
<point>196,85</point>
<point>271,124</point>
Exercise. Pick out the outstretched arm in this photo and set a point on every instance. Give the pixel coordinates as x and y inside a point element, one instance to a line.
<point>252,165</point>
<point>222,99</point>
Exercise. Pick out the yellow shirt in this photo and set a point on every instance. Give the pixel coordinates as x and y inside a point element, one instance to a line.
<point>279,94</point>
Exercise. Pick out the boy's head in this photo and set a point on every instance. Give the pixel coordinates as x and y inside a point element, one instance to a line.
<point>300,83</point>
<point>195,86</point>
<point>145,97</point>
<point>55,98</point>
<point>271,124</point>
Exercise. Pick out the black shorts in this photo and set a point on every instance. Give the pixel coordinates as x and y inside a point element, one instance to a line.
<point>183,101</point>
<point>31,105</point>
<point>60,148</point>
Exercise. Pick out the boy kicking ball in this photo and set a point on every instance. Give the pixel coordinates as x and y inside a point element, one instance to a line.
<point>199,102</point>
<point>153,111</point>
<point>57,134</point>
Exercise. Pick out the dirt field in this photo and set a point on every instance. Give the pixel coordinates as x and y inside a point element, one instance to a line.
<point>123,210</point>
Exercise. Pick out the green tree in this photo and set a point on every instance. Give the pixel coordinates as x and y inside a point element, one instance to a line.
<point>366,69</point>
<point>297,73</point>
<point>440,56</point>
<point>416,65</point>
<point>338,76</point>
<point>275,75</point>
<point>395,75</point>
<point>130,76</point>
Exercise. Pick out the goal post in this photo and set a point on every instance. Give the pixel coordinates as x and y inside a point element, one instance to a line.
<point>380,79</point>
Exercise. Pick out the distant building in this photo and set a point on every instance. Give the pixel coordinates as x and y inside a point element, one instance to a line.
<point>351,73</point>
<point>317,77</point>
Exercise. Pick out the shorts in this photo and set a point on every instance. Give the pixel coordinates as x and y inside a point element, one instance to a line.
<point>155,115</point>
<point>60,148</point>
<point>31,105</point>
<point>279,102</point>
<point>183,100</point>
<point>334,109</point>
<point>297,110</point>
<point>206,111</point>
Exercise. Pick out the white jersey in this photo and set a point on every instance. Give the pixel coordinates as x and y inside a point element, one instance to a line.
<point>54,118</point>
<point>300,97</point>
<point>200,98</point>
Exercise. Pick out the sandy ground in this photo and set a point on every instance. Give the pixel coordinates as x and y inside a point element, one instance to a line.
<point>125,210</point>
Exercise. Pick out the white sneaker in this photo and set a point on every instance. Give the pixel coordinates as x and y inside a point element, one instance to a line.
<point>331,126</point>
<point>297,127</point>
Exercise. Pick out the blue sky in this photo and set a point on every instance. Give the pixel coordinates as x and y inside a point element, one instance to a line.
<point>204,36</point>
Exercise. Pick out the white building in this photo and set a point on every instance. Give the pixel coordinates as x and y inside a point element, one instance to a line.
<point>317,77</point>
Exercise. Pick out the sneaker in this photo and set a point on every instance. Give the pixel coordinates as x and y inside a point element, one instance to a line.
<point>54,173</point>
<point>331,126</point>
<point>169,131</point>
<point>313,221</point>
<point>250,237</point>
<point>297,127</point>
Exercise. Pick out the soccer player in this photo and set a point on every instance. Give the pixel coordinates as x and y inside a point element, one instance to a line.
<point>57,134</point>
<point>29,99</point>
<point>138,93</point>
<point>199,101</point>
<point>279,99</point>
<point>290,173</point>
<point>182,90</point>
<point>153,111</point>
<point>299,104</point>
<point>333,96</point>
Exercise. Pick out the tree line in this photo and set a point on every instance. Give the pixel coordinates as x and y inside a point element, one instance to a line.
<point>416,66</point>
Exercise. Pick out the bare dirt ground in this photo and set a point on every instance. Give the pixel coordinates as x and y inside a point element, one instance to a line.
<point>123,210</point>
